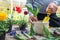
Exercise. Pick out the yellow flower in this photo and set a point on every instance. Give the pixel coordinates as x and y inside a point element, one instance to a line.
<point>3,16</point>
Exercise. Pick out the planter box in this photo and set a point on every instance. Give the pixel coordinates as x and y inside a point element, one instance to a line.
<point>2,37</point>
<point>38,27</point>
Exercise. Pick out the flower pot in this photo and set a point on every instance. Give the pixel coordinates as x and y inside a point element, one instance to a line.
<point>2,37</point>
<point>10,28</point>
<point>38,27</point>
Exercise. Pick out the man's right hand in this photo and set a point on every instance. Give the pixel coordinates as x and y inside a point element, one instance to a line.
<point>32,19</point>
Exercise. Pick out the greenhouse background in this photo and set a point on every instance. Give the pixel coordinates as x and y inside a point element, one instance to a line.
<point>15,22</point>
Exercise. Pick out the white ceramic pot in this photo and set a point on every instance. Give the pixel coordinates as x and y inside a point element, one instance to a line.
<point>38,27</point>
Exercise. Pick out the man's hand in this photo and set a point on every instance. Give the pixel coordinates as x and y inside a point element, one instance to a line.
<point>53,7</point>
<point>32,19</point>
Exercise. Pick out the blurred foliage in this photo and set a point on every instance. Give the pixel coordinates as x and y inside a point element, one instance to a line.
<point>33,11</point>
<point>3,26</point>
<point>58,12</point>
<point>4,21</point>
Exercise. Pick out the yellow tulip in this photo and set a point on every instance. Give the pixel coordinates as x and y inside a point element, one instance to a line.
<point>3,16</point>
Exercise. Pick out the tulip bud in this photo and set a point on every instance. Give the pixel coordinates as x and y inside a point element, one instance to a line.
<point>25,12</point>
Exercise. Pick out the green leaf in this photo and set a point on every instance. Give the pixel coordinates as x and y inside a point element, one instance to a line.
<point>30,9</point>
<point>58,15</point>
<point>19,37</point>
<point>27,35</point>
<point>38,8</point>
<point>31,31</point>
<point>46,32</point>
<point>34,11</point>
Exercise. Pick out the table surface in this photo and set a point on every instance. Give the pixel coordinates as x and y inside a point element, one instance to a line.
<point>8,37</point>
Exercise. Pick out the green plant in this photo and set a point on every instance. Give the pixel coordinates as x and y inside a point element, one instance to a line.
<point>19,37</point>
<point>58,15</point>
<point>22,23</point>
<point>49,36</point>
<point>31,31</point>
<point>3,27</point>
<point>46,32</point>
<point>3,23</point>
<point>34,11</point>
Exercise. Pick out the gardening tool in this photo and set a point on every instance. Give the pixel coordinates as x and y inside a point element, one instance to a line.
<point>46,19</point>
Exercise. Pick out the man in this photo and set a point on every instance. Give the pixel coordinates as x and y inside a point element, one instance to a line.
<point>44,6</point>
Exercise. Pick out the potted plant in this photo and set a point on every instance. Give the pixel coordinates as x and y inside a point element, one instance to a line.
<point>22,14</point>
<point>9,20</point>
<point>22,24</point>
<point>3,25</point>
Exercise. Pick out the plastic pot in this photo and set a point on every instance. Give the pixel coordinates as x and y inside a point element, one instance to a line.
<point>38,27</point>
<point>10,28</point>
<point>22,27</point>
<point>2,37</point>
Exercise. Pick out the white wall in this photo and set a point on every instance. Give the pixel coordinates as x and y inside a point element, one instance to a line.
<point>15,2</point>
<point>4,3</point>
